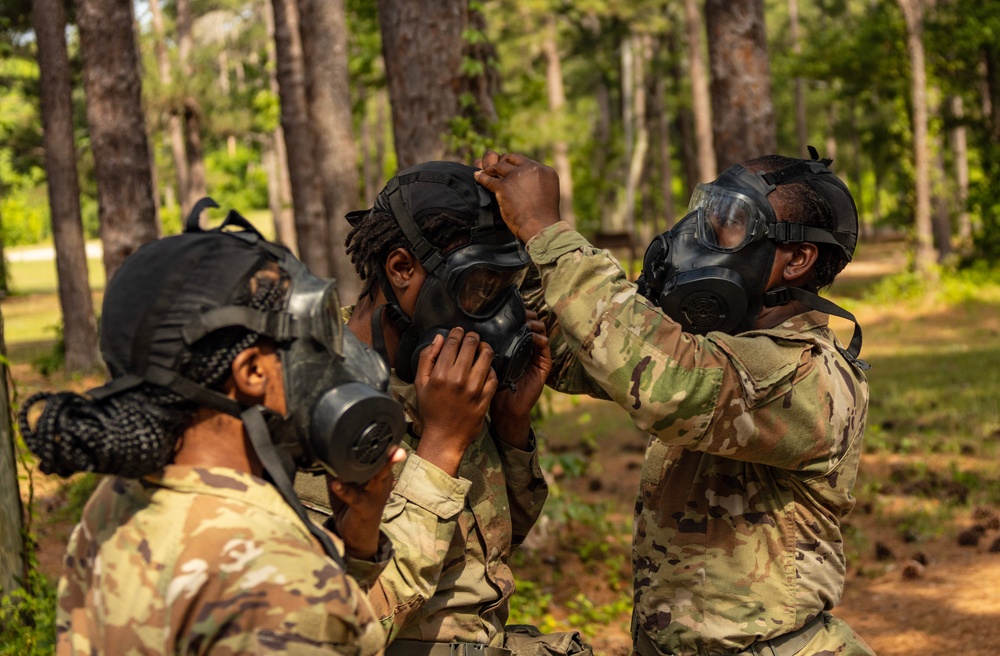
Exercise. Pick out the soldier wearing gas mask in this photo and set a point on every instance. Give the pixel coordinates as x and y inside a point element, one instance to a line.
<point>441,304</point>
<point>723,353</point>
<point>230,370</point>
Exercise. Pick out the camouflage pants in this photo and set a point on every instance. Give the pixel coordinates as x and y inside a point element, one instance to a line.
<point>527,640</point>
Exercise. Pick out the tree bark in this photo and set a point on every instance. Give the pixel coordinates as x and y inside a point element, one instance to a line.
<point>701,104</point>
<point>197,188</point>
<point>324,46</point>
<point>913,14</point>
<point>279,192</point>
<point>800,92</point>
<point>122,164</point>
<point>307,201</point>
<point>960,154</point>
<point>175,131</point>
<point>79,323</point>
<point>422,46</point>
<point>557,109</point>
<point>743,125</point>
<point>663,142</point>
<point>13,559</point>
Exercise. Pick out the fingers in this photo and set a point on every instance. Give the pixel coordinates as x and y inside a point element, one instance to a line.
<point>489,158</point>
<point>429,357</point>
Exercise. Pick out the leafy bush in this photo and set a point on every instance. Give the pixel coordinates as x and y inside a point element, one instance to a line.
<point>27,615</point>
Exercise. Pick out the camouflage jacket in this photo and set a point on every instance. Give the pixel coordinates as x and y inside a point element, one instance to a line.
<point>757,439</point>
<point>449,580</point>
<point>196,560</point>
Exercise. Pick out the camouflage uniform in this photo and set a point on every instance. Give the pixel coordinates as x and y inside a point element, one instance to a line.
<point>198,560</point>
<point>449,580</point>
<point>755,449</point>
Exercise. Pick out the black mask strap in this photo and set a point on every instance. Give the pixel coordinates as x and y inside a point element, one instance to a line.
<point>783,295</point>
<point>396,316</point>
<point>260,438</point>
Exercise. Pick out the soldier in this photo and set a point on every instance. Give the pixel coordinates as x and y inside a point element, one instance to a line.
<point>441,270</point>
<point>230,369</point>
<point>724,354</point>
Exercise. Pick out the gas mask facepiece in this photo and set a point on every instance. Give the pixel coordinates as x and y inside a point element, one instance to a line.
<point>177,290</point>
<point>709,272</point>
<point>474,286</point>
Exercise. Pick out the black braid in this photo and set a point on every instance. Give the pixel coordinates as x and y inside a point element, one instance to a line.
<point>133,433</point>
<point>376,234</point>
<point>801,204</point>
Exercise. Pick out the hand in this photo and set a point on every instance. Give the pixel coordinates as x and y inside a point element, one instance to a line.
<point>511,410</point>
<point>528,192</point>
<point>455,382</point>
<point>357,508</point>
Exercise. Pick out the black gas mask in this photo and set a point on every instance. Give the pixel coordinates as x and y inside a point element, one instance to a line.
<point>175,291</point>
<point>709,271</point>
<point>473,286</point>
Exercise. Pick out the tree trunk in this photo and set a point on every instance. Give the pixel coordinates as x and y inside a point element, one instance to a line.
<point>324,46</point>
<point>122,164</point>
<point>422,46</point>
<point>913,14</point>
<point>12,556</point>
<point>741,81</point>
<point>960,150</point>
<point>279,192</point>
<point>197,188</point>
<point>557,108</point>
<point>79,323</point>
<point>175,130</point>
<point>991,95</point>
<point>662,119</point>
<point>310,216</point>
<point>800,92</point>
<point>701,103</point>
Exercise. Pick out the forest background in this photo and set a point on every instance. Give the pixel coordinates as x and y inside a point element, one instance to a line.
<point>116,117</point>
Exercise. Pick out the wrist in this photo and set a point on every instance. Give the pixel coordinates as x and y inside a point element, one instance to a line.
<point>529,228</point>
<point>442,451</point>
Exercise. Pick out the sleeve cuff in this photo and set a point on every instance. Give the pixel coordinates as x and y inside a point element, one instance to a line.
<point>366,571</point>
<point>430,488</point>
<point>520,468</point>
<point>553,242</point>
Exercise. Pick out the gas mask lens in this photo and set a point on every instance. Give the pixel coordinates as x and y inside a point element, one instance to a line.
<point>483,285</point>
<point>727,220</point>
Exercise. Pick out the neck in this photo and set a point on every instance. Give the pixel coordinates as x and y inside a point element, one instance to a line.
<point>360,324</point>
<point>215,439</point>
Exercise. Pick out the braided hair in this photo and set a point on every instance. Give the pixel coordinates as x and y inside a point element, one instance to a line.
<point>134,433</point>
<point>374,235</point>
<point>801,204</point>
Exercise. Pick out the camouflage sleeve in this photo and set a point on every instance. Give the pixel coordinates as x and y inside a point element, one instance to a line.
<point>267,590</point>
<point>568,374</point>
<point>526,486</point>
<point>677,385</point>
<point>421,518</point>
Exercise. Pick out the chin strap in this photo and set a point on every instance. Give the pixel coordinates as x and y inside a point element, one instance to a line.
<point>260,438</point>
<point>784,295</point>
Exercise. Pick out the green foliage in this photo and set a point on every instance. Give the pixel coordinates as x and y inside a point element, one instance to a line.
<point>55,359</point>
<point>27,615</point>
<point>237,180</point>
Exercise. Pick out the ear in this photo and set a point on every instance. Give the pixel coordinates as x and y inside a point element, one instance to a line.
<point>400,267</point>
<point>801,257</point>
<point>249,376</point>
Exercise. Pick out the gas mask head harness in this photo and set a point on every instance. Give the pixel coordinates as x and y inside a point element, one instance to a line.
<point>174,291</point>
<point>473,286</point>
<point>710,270</point>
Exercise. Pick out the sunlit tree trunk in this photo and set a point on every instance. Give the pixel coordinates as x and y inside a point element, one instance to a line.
<point>913,14</point>
<point>422,48</point>
<point>122,164</point>
<point>800,91</point>
<point>12,554</point>
<point>279,193</point>
<point>310,216</point>
<point>960,154</point>
<point>701,103</point>
<point>197,188</point>
<point>743,113</point>
<point>79,323</point>
<point>175,131</point>
<point>557,107</point>
<point>324,45</point>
